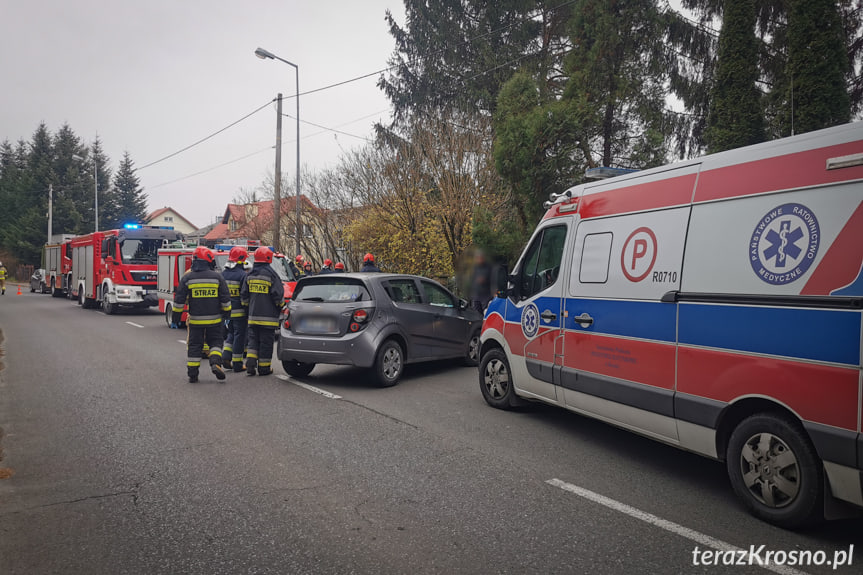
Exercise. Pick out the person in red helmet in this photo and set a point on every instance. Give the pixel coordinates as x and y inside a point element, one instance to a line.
<point>297,266</point>
<point>234,275</point>
<point>369,264</point>
<point>327,267</point>
<point>264,295</point>
<point>209,300</point>
<point>340,267</point>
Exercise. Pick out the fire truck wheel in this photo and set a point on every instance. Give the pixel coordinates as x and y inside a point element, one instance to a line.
<point>56,292</point>
<point>495,380</point>
<point>168,313</point>
<point>108,307</point>
<point>69,293</point>
<point>775,470</point>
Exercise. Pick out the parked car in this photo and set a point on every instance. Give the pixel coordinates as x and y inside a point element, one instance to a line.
<point>376,321</point>
<point>37,282</point>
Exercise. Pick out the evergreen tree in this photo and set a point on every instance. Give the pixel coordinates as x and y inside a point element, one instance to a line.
<point>129,197</point>
<point>107,207</point>
<point>817,67</point>
<point>736,116</point>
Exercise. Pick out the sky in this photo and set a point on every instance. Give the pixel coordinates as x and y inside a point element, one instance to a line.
<point>154,76</point>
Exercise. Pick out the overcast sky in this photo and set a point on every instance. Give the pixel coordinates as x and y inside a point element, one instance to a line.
<point>153,76</point>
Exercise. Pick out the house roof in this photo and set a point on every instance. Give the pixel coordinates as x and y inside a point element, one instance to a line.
<point>219,231</point>
<point>153,215</point>
<point>246,227</point>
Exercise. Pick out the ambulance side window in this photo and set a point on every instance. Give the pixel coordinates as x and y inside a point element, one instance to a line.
<point>541,264</point>
<point>595,258</point>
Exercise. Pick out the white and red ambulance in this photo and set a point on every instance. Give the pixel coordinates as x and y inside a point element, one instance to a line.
<point>713,304</point>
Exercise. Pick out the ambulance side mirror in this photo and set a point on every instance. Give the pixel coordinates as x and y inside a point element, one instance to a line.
<point>502,281</point>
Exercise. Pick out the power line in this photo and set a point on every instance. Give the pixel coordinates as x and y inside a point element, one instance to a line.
<point>204,139</point>
<point>328,129</point>
<point>222,165</point>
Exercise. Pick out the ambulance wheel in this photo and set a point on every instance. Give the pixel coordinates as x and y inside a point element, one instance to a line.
<point>297,368</point>
<point>775,470</point>
<point>389,363</point>
<point>495,380</point>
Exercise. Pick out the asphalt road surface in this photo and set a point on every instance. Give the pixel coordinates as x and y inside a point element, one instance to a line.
<point>120,466</point>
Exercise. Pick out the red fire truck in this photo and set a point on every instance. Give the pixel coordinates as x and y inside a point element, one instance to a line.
<point>117,268</point>
<point>58,264</point>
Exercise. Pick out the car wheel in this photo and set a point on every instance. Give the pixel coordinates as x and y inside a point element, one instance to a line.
<point>774,469</point>
<point>471,359</point>
<point>297,368</point>
<point>108,307</point>
<point>389,363</point>
<point>495,380</point>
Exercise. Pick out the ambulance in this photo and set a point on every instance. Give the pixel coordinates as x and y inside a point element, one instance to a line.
<point>713,304</point>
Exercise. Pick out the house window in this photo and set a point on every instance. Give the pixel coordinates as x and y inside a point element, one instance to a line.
<point>232,225</point>
<point>169,218</point>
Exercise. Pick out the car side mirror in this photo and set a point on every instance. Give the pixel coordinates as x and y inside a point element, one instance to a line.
<point>462,305</point>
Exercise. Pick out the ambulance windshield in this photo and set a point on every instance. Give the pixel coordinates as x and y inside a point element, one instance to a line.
<point>140,251</point>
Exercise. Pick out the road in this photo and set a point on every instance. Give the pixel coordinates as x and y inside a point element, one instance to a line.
<point>121,466</point>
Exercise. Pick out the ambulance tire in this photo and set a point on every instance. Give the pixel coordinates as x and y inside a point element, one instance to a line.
<point>792,502</point>
<point>495,380</point>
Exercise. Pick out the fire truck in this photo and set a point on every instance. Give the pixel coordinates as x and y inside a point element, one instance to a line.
<point>117,268</point>
<point>58,264</point>
<point>175,260</point>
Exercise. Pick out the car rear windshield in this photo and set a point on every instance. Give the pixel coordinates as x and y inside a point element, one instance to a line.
<point>334,290</point>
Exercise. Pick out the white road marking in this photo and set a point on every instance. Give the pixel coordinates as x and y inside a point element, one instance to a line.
<point>133,324</point>
<point>317,390</point>
<point>670,526</point>
<point>183,341</point>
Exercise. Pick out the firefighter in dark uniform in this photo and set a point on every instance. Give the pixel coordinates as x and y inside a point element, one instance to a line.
<point>369,264</point>
<point>264,295</point>
<point>206,293</point>
<point>234,275</point>
<point>327,267</point>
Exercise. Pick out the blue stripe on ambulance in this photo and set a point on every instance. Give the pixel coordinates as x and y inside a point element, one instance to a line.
<point>640,319</point>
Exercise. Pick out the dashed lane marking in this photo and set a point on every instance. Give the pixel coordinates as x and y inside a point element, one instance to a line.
<point>183,341</point>
<point>669,526</point>
<point>312,388</point>
<point>133,324</point>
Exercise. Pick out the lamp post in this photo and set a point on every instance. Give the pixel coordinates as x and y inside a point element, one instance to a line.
<point>265,55</point>
<point>95,188</point>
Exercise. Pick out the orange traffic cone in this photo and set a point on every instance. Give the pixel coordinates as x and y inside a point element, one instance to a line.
<point>19,291</point>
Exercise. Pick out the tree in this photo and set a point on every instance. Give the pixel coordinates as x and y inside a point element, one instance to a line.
<point>736,115</point>
<point>128,194</point>
<point>817,66</point>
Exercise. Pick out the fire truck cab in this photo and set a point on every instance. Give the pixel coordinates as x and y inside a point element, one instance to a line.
<point>714,305</point>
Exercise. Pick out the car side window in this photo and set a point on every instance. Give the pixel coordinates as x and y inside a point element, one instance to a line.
<point>541,264</point>
<point>403,291</point>
<point>437,296</point>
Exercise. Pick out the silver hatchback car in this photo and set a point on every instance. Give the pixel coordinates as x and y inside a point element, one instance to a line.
<point>377,321</point>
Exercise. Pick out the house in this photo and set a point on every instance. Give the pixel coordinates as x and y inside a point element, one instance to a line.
<point>170,217</point>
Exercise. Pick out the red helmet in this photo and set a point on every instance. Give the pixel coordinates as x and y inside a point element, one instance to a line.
<point>369,258</point>
<point>328,262</point>
<point>263,255</point>
<point>340,266</point>
<point>299,258</point>
<point>204,253</point>
<point>238,254</point>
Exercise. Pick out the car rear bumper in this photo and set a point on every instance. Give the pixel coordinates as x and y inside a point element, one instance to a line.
<point>357,349</point>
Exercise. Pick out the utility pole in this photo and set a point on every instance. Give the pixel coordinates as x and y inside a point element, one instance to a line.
<point>299,204</point>
<point>277,203</point>
<point>50,212</point>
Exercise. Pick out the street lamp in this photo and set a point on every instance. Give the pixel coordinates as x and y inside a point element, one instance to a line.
<point>95,188</point>
<point>266,55</point>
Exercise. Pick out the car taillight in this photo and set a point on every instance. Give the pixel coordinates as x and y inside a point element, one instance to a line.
<point>355,326</point>
<point>360,316</point>
<point>287,320</point>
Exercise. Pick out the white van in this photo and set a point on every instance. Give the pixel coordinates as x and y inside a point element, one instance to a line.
<point>714,304</point>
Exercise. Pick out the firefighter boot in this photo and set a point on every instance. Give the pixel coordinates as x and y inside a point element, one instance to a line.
<point>218,371</point>
<point>238,364</point>
<point>251,365</point>
<point>264,369</point>
<point>193,374</point>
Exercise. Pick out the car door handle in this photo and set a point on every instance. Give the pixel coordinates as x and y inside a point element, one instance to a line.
<point>583,320</point>
<point>548,316</point>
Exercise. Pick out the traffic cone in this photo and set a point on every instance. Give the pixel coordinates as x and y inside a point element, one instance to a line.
<point>19,291</point>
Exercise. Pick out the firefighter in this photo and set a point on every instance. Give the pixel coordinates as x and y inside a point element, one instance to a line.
<point>369,264</point>
<point>264,295</point>
<point>340,268</point>
<point>307,269</point>
<point>297,266</point>
<point>209,300</point>
<point>234,275</point>
<point>327,267</point>
<point>3,273</point>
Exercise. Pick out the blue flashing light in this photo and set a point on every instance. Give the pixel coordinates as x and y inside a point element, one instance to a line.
<point>131,226</point>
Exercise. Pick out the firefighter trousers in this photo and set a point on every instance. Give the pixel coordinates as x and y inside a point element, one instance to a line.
<point>213,336</point>
<point>260,348</point>
<point>235,343</point>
